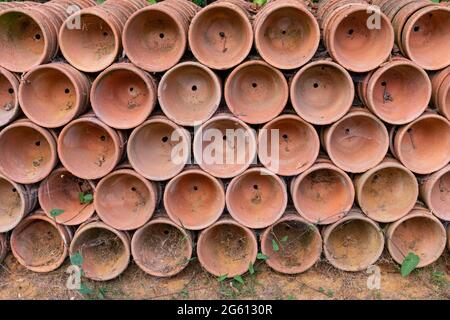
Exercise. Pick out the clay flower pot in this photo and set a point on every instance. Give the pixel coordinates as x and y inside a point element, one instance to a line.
<point>155,37</point>
<point>194,199</point>
<point>17,201</point>
<point>353,243</point>
<point>322,194</point>
<point>105,251</point>
<point>39,243</point>
<point>9,100</point>
<point>123,96</point>
<point>301,249</point>
<point>357,142</point>
<point>435,192</point>
<point>161,248</point>
<point>256,198</point>
<point>221,34</point>
<point>398,92</point>
<point>224,146</point>
<point>4,247</point>
<point>52,95</point>
<point>286,34</point>
<point>89,149</point>
<point>441,91</point>
<point>322,92</point>
<point>125,200</point>
<point>28,152</point>
<point>61,191</point>
<point>423,146</point>
<point>189,93</point>
<point>158,149</point>
<point>418,232</point>
<point>255,92</point>
<point>227,248</point>
<point>296,140</point>
<point>386,192</point>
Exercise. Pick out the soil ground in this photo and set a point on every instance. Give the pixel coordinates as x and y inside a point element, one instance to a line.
<point>320,282</point>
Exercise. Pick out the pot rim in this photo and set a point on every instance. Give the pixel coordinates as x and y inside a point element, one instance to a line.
<point>426,191</point>
<point>13,80</point>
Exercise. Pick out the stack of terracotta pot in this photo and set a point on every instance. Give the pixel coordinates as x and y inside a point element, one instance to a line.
<point>340,140</point>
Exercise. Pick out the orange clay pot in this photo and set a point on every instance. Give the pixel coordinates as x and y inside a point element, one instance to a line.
<point>39,243</point>
<point>158,149</point>
<point>256,198</point>
<point>418,232</point>
<point>189,93</point>
<point>221,34</point>
<point>423,146</point>
<point>9,100</point>
<point>297,142</point>
<point>61,191</point>
<point>227,248</point>
<point>123,96</point>
<point>435,192</point>
<point>89,149</point>
<point>234,155</point>
<point>161,248</point>
<point>357,142</point>
<point>4,247</point>
<point>255,92</point>
<point>353,243</point>
<point>105,251</point>
<point>194,199</point>
<point>52,95</point>
<point>301,249</point>
<point>386,192</point>
<point>28,152</point>
<point>441,91</point>
<point>322,92</point>
<point>322,194</point>
<point>286,33</point>
<point>17,201</point>
<point>125,200</point>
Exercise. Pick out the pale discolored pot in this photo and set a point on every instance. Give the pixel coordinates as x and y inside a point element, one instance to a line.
<point>9,100</point>
<point>435,192</point>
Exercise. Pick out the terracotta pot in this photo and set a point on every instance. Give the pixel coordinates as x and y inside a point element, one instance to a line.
<point>386,192</point>
<point>159,149</point>
<point>357,142</point>
<point>353,243</point>
<point>17,201</point>
<point>89,149</point>
<point>61,191</point>
<point>9,100</point>
<point>189,93</point>
<point>52,95</point>
<point>435,192</point>
<point>301,249</point>
<point>256,198</point>
<point>28,152</point>
<point>194,199</point>
<point>4,247</point>
<point>423,146</point>
<point>125,200</point>
<point>441,91</point>
<point>297,142</point>
<point>424,39</point>
<point>322,92</point>
<point>221,34</point>
<point>227,248</point>
<point>227,159</point>
<point>161,248</point>
<point>255,92</point>
<point>286,33</point>
<point>155,37</point>
<point>123,96</point>
<point>39,243</point>
<point>349,40</point>
<point>322,194</point>
<point>105,251</point>
<point>418,232</point>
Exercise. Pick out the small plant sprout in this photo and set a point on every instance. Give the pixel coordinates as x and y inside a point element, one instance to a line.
<point>239,279</point>
<point>222,277</point>
<point>251,268</point>
<point>409,264</point>
<point>85,198</point>
<point>56,212</point>
<point>261,256</point>
<point>275,246</point>
<point>260,2</point>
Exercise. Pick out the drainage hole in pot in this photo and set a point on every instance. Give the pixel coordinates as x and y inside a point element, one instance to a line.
<point>166,232</point>
<point>347,131</point>
<point>133,189</point>
<point>254,85</point>
<point>285,136</point>
<point>384,83</point>
<point>224,137</point>
<point>103,138</point>
<point>194,88</point>
<point>67,90</point>
<point>161,35</point>
<point>416,28</point>
<point>10,90</point>
<point>350,32</point>
<point>37,36</point>
<point>80,183</point>
<point>255,186</point>
<point>315,85</point>
<point>164,139</point>
<point>375,178</point>
<point>14,190</point>
<point>37,143</point>
<point>131,89</point>
<point>195,188</point>
<point>105,34</point>
<point>283,32</point>
<point>222,34</point>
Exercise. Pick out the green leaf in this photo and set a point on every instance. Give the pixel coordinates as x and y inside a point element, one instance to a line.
<point>284,239</point>
<point>85,198</point>
<point>200,3</point>
<point>239,279</point>
<point>151,1</point>
<point>84,290</point>
<point>251,269</point>
<point>260,2</point>
<point>330,293</point>
<point>101,292</point>
<point>222,277</point>
<point>261,256</point>
<point>409,264</point>
<point>321,289</point>
<point>290,297</point>
<point>275,245</point>
<point>76,259</point>
<point>56,212</point>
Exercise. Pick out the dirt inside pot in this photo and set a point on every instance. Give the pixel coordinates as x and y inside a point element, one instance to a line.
<point>440,195</point>
<point>8,99</point>
<point>11,205</point>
